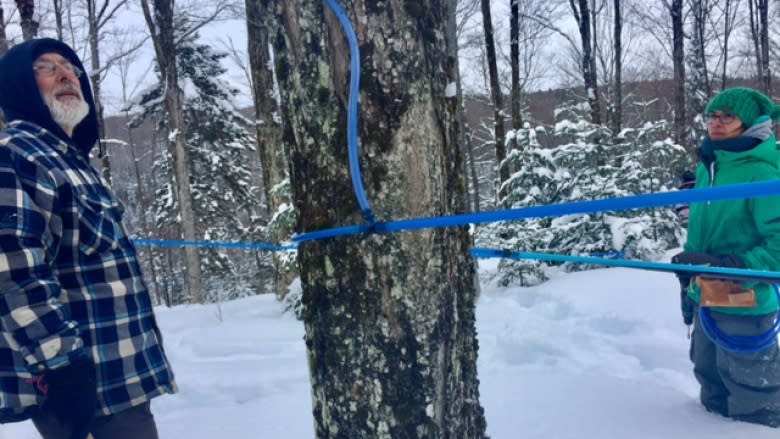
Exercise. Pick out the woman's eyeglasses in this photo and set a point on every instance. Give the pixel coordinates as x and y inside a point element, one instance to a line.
<point>724,118</point>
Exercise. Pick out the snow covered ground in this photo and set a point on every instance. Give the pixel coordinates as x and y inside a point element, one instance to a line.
<point>598,354</point>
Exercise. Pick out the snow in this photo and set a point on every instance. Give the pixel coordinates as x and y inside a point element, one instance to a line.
<point>595,354</point>
<point>451,90</point>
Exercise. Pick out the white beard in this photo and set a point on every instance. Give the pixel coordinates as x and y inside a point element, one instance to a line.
<point>66,113</point>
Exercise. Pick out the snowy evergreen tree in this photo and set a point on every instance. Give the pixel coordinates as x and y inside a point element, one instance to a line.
<point>532,184</point>
<point>584,160</point>
<point>583,166</point>
<point>218,140</point>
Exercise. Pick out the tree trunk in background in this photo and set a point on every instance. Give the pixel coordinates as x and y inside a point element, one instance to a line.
<point>617,117</point>
<point>701,13</point>
<point>93,24</point>
<point>678,59</point>
<point>762,52</point>
<point>464,134</point>
<point>589,72</point>
<point>755,36</point>
<point>161,30</point>
<point>27,22</point>
<point>57,11</point>
<point>143,198</point>
<point>389,318</point>
<point>728,26</point>
<point>261,24</point>
<point>3,37</point>
<point>514,37</point>
<point>496,96</point>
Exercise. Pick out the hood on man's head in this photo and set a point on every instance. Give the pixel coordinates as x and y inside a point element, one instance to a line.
<point>746,103</point>
<point>21,99</point>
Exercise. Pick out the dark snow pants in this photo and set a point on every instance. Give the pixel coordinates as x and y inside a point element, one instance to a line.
<point>134,423</point>
<point>745,387</point>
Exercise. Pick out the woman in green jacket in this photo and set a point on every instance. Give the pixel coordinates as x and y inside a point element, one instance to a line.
<point>740,147</point>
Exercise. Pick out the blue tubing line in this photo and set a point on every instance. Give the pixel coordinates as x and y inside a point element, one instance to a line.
<point>212,244</point>
<point>352,110</point>
<point>477,252</point>
<point>736,191</point>
<point>736,343</point>
<point>764,276</point>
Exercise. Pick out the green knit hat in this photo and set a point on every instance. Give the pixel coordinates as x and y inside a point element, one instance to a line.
<point>746,103</point>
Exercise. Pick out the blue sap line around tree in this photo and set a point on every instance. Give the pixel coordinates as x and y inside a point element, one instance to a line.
<point>613,204</point>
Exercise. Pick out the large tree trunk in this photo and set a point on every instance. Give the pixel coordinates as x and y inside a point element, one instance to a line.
<point>389,318</point>
<point>678,59</point>
<point>161,30</point>
<point>260,25</point>
<point>27,13</point>
<point>495,92</point>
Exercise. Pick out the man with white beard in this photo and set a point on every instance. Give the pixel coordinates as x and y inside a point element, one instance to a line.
<point>80,350</point>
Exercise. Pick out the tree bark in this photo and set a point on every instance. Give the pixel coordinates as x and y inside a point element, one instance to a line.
<point>3,37</point>
<point>26,13</point>
<point>514,37</point>
<point>701,11</point>
<point>582,16</point>
<point>678,59</point>
<point>617,119</point>
<point>93,24</point>
<point>727,28</point>
<point>754,34</point>
<point>161,30</point>
<point>57,6</point>
<point>763,20</point>
<point>389,318</point>
<point>260,26</point>
<point>496,95</point>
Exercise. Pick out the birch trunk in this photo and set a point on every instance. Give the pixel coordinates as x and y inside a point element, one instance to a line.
<point>389,318</point>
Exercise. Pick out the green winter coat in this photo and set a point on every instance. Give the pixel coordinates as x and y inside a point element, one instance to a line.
<point>748,228</point>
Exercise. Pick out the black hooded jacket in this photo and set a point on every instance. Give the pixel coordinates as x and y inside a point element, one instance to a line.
<point>20,98</point>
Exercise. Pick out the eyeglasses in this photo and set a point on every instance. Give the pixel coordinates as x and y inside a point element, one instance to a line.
<point>724,118</point>
<point>49,68</point>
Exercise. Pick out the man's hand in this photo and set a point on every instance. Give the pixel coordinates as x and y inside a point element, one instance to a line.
<point>72,392</point>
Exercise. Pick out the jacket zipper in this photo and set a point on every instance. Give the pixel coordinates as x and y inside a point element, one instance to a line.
<point>712,177</point>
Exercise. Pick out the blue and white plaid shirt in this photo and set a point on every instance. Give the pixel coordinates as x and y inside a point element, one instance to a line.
<point>69,278</point>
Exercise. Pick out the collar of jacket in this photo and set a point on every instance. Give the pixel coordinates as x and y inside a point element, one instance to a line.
<point>738,144</point>
<point>43,134</point>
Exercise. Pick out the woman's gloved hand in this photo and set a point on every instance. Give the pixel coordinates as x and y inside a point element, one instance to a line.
<point>700,258</point>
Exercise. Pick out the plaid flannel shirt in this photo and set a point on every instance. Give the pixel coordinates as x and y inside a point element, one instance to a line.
<point>70,280</point>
